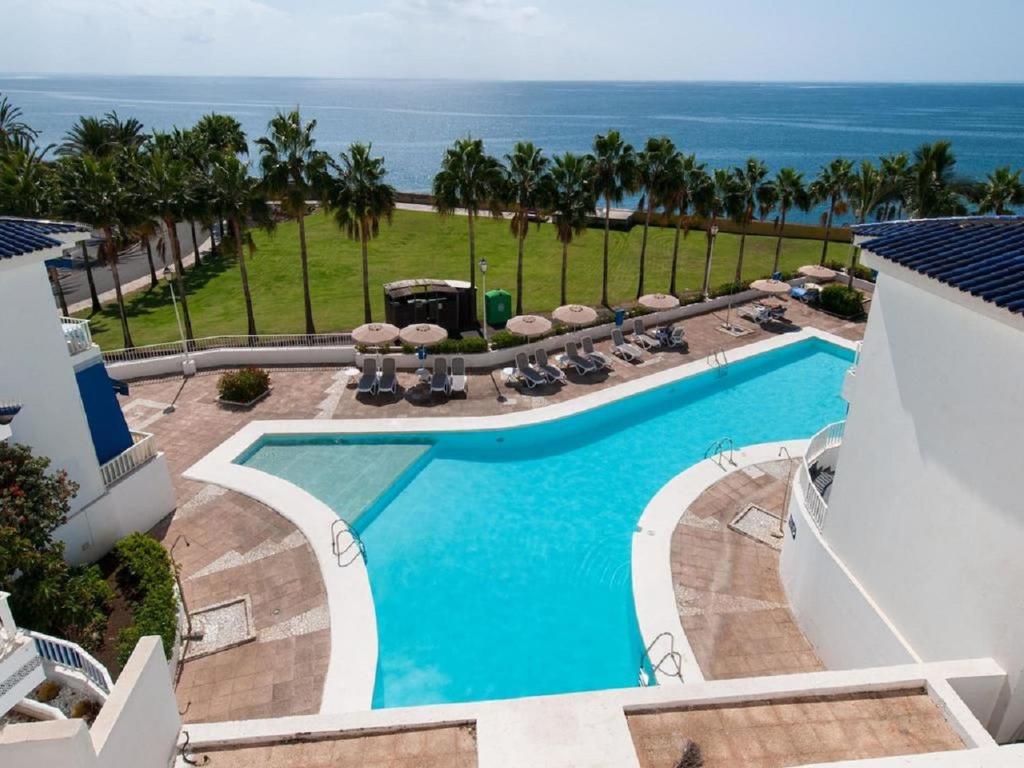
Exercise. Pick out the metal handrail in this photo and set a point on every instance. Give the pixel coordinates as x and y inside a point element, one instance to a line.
<point>356,541</point>
<point>672,653</point>
<point>717,449</point>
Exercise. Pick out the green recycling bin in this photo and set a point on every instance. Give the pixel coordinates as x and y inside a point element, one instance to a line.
<point>497,307</point>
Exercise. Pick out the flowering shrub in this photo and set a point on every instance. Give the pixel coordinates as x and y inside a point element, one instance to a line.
<point>243,386</point>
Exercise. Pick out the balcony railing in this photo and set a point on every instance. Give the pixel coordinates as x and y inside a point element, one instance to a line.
<point>64,653</point>
<point>76,334</point>
<point>265,341</point>
<point>143,449</point>
<point>814,502</point>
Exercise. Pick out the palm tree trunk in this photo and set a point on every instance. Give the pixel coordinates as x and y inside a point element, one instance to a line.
<point>195,244</point>
<point>153,282</point>
<point>739,259</point>
<point>472,260</point>
<point>853,265</point>
<point>364,240</point>
<point>565,270</point>
<point>675,256</point>
<point>604,263</point>
<point>96,308</point>
<point>778,242</point>
<point>112,254</point>
<point>304,257</point>
<point>214,251</point>
<point>239,252</point>
<point>179,272</point>
<point>828,231</point>
<point>519,274</point>
<point>643,249</point>
<point>59,289</point>
<point>707,260</point>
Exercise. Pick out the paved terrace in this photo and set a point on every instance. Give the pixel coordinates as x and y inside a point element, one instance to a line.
<point>237,546</point>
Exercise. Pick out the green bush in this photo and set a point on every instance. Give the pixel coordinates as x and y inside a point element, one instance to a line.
<point>860,271</point>
<point>726,289</point>
<point>243,386</point>
<point>841,300</point>
<point>146,575</point>
<point>469,346</point>
<point>505,339</point>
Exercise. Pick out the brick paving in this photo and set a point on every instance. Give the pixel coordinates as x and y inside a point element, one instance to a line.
<point>795,731</point>
<point>239,547</point>
<point>730,599</point>
<point>447,747</point>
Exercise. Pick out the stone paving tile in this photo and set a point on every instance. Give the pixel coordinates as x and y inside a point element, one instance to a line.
<point>446,747</point>
<point>795,731</point>
<point>284,582</point>
<point>731,602</point>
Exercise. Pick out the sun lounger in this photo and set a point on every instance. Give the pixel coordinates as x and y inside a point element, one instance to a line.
<point>672,336</point>
<point>387,380</point>
<point>756,313</point>
<point>641,337</point>
<point>459,380</point>
<point>624,349</point>
<point>591,354</point>
<point>576,360</point>
<point>368,381</point>
<point>439,379</point>
<point>547,370</point>
<point>526,373</point>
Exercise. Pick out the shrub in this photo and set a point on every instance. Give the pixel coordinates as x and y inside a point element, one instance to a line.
<point>505,339</point>
<point>859,271</point>
<point>469,346</point>
<point>841,300</point>
<point>690,298</point>
<point>725,289</point>
<point>146,575</point>
<point>243,386</point>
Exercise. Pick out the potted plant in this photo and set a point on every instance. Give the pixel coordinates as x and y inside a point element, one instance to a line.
<point>243,388</point>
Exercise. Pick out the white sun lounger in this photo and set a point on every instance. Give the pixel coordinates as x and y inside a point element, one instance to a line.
<point>546,369</point>
<point>641,337</point>
<point>368,381</point>
<point>576,360</point>
<point>387,379</point>
<point>624,349</point>
<point>459,380</point>
<point>591,354</point>
<point>439,380</point>
<point>526,372</point>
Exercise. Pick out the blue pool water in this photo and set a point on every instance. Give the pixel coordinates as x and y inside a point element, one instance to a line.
<point>500,560</point>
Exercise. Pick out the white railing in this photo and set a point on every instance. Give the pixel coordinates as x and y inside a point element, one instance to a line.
<point>143,449</point>
<point>265,341</point>
<point>76,334</point>
<point>64,653</point>
<point>829,437</point>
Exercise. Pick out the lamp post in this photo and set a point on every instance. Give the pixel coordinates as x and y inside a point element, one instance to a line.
<point>188,367</point>
<point>483,283</point>
<point>707,268</point>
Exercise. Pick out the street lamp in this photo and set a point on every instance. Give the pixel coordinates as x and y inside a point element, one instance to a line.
<point>707,267</point>
<point>483,282</point>
<point>169,276</point>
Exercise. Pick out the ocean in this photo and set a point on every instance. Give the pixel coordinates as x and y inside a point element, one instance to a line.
<point>410,122</point>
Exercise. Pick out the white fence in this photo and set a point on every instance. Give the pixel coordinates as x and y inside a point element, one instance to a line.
<point>76,334</point>
<point>64,653</point>
<point>829,437</point>
<point>207,343</point>
<point>143,449</point>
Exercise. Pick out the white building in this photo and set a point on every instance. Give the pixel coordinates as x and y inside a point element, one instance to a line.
<point>69,410</point>
<point>916,550</point>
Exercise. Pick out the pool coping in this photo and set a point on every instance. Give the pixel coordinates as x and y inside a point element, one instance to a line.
<point>351,672</point>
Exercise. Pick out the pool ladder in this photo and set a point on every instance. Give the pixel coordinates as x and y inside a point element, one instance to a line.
<point>717,450</point>
<point>647,663</point>
<point>717,359</point>
<point>338,529</point>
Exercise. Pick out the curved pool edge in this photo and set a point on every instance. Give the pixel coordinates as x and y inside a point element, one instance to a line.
<point>654,597</point>
<point>352,667</point>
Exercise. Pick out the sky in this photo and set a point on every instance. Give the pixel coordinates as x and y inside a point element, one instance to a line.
<point>760,40</point>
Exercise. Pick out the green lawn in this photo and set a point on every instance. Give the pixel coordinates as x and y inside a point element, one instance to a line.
<point>424,245</point>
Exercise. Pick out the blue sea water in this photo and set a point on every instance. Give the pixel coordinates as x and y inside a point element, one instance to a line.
<point>500,560</point>
<point>411,122</point>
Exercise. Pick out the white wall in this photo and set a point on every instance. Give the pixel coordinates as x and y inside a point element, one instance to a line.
<point>36,369</point>
<point>926,508</point>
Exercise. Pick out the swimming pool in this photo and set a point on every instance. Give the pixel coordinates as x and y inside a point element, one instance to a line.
<point>499,560</point>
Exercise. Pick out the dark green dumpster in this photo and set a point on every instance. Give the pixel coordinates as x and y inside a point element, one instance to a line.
<point>497,307</point>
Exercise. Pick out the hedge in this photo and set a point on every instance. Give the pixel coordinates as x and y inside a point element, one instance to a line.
<point>842,300</point>
<point>146,575</point>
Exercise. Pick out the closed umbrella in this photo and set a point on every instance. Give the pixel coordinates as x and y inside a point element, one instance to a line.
<point>574,314</point>
<point>658,301</point>
<point>819,273</point>
<point>375,334</point>
<point>774,287</point>
<point>423,334</point>
<point>528,325</point>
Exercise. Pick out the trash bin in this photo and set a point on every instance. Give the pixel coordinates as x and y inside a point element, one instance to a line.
<point>497,307</point>
<point>620,317</point>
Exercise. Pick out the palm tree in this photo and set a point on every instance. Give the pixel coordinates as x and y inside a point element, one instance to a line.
<point>294,171</point>
<point>144,232</point>
<point>13,130</point>
<point>222,134</point>
<point>469,179</point>
<point>1000,192</point>
<point>897,179</point>
<point>747,182</point>
<point>790,192</point>
<point>524,187</point>
<point>102,136</point>
<point>571,203</point>
<point>830,187</point>
<point>361,199</point>
<point>934,189</point>
<point>710,197</point>
<point>613,164</point>
<point>653,171</point>
<point>240,197</point>
<point>96,192</point>
<point>684,176</point>
<point>26,182</point>
<point>866,193</point>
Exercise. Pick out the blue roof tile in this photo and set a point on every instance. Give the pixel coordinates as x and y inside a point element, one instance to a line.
<point>982,256</point>
<point>21,236</point>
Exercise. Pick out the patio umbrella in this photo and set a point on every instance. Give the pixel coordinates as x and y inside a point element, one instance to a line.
<point>423,334</point>
<point>574,314</point>
<point>774,287</point>
<point>816,272</point>
<point>528,325</point>
<point>658,301</point>
<point>375,334</point>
